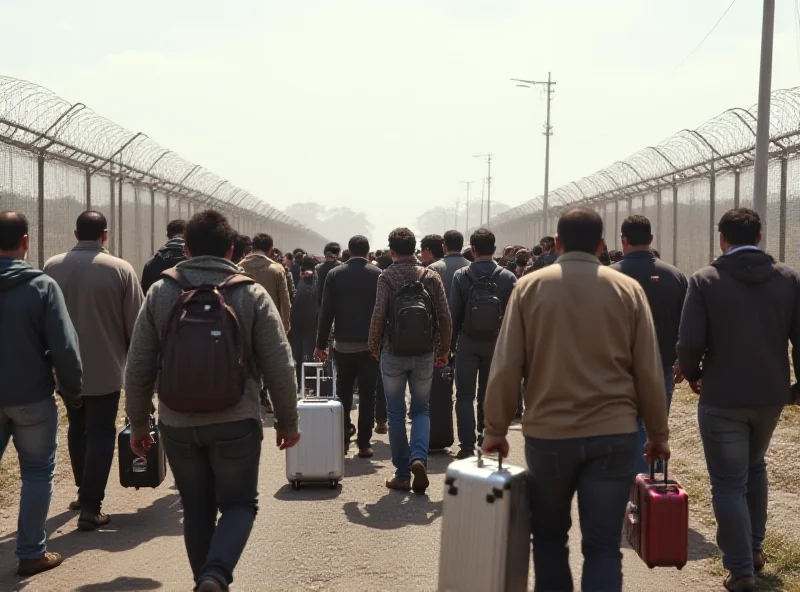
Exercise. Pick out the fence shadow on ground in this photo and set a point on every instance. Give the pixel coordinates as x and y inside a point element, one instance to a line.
<point>122,583</point>
<point>394,510</point>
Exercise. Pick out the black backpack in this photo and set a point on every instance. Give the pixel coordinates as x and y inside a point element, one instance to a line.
<point>411,320</point>
<point>484,313</point>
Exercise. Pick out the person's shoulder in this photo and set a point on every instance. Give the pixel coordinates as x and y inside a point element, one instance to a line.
<point>705,274</point>
<point>786,270</point>
<point>110,260</point>
<point>53,261</point>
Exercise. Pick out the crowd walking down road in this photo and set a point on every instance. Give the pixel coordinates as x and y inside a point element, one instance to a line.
<point>563,358</point>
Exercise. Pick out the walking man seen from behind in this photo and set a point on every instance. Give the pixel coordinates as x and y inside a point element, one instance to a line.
<point>214,455</point>
<point>452,261</point>
<point>411,322</point>
<point>167,256</point>
<point>37,341</point>
<point>103,296</point>
<point>269,274</point>
<point>583,338</point>
<point>665,288</point>
<point>740,315</point>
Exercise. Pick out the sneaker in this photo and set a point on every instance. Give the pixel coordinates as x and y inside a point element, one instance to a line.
<point>743,584</point>
<point>398,484</point>
<point>74,505</point>
<point>462,454</point>
<point>89,521</point>
<point>382,428</point>
<point>209,585</point>
<point>421,480</point>
<point>759,561</point>
<point>31,567</point>
<point>365,452</point>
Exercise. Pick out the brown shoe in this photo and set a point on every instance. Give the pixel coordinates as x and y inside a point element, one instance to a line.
<point>74,505</point>
<point>421,480</point>
<point>759,561</point>
<point>382,428</point>
<point>209,585</point>
<point>398,484</point>
<point>31,567</point>
<point>88,521</point>
<point>743,584</point>
<point>365,452</point>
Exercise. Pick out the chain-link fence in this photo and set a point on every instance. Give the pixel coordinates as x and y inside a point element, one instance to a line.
<point>683,186</point>
<point>58,159</point>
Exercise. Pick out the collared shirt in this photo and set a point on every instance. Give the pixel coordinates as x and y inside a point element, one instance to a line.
<point>447,268</point>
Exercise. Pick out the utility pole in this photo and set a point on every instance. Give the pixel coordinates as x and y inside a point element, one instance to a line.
<point>455,224</point>
<point>548,131</point>
<point>488,187</point>
<point>483,190</point>
<point>761,171</point>
<point>467,183</point>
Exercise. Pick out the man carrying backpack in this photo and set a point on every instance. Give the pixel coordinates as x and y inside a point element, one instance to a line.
<point>478,300</point>
<point>412,322</point>
<point>210,336</point>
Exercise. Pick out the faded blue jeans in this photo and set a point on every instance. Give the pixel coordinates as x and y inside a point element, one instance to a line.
<point>600,470</point>
<point>216,468</point>
<point>735,441</point>
<point>417,374</point>
<point>34,429</point>
<point>669,387</point>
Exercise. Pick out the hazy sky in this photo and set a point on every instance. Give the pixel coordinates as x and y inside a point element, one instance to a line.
<point>380,105</point>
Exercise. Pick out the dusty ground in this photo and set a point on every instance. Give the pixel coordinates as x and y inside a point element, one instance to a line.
<point>360,537</point>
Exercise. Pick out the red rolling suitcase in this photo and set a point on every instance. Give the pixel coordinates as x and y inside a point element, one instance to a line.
<point>657,521</point>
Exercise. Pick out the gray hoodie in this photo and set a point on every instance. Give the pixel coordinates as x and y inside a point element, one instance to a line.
<point>36,338</point>
<point>264,337</point>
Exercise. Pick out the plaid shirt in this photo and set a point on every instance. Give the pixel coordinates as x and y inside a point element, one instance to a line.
<point>400,273</point>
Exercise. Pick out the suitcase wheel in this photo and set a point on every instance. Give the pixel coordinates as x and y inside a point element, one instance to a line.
<point>295,484</point>
<point>334,484</point>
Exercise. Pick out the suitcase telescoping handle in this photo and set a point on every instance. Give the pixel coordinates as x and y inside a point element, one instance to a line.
<point>666,471</point>
<point>499,460</point>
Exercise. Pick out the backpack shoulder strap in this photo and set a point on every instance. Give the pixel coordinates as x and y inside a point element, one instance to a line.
<point>497,272</point>
<point>237,279</point>
<point>176,275</point>
<point>471,274</point>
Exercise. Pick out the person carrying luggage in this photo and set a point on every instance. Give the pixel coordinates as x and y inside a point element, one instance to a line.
<point>411,323</point>
<point>304,318</point>
<point>222,335</point>
<point>478,300</point>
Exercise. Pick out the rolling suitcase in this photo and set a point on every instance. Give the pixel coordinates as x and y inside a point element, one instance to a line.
<point>441,409</point>
<point>319,455</point>
<point>486,540</point>
<point>135,471</point>
<point>657,524</point>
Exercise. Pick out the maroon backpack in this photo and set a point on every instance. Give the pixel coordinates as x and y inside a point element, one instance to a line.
<point>203,363</point>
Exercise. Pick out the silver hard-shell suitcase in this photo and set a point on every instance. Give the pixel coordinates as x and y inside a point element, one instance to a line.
<point>319,455</point>
<point>486,540</point>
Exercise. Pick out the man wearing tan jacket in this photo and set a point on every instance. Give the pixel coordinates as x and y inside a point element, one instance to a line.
<point>269,274</point>
<point>583,338</point>
<point>103,297</point>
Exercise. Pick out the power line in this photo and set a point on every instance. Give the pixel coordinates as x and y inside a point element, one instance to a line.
<point>714,28</point>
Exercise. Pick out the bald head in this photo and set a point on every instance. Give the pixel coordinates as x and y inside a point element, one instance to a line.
<point>580,229</point>
<point>13,234</point>
<point>91,226</point>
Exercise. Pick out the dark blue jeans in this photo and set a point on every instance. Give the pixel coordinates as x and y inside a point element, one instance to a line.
<point>216,469</point>
<point>600,470</point>
<point>669,387</point>
<point>735,441</point>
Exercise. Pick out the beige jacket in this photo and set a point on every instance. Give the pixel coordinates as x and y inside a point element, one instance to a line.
<point>582,336</point>
<point>272,277</point>
<point>103,297</point>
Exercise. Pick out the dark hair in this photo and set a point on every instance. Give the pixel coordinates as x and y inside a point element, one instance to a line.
<point>13,227</point>
<point>263,242</point>
<point>90,226</point>
<point>277,254</point>
<point>615,256</point>
<point>332,249</point>
<point>308,263</point>
<point>510,248</point>
<point>345,256</point>
<point>298,253</point>
<point>467,254</point>
<point>537,251</point>
<point>289,256</point>
<point>637,230</point>
<point>358,246</point>
<point>605,258</point>
<point>740,227</point>
<point>385,260</point>
<point>402,241</point>
<point>209,233</point>
<point>242,245</point>
<point>580,229</point>
<point>483,241</point>
<point>435,243</point>
<point>175,228</point>
<point>453,241</point>
<point>521,257</point>
<point>378,253</point>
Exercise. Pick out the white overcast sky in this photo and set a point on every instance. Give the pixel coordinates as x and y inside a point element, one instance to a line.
<point>379,105</point>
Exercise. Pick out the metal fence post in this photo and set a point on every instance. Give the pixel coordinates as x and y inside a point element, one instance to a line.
<point>782,226</point>
<point>712,210</point>
<point>658,220</point>
<point>737,188</point>
<point>615,228</point>
<point>40,197</point>
<point>152,220</point>
<point>675,222</point>
<point>166,207</point>
<point>113,209</point>
<point>88,189</point>
<point>119,216</point>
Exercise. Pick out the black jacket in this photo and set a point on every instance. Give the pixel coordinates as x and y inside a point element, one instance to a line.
<point>165,258</point>
<point>665,288</point>
<point>348,298</point>
<point>303,317</point>
<point>740,314</point>
<point>320,273</point>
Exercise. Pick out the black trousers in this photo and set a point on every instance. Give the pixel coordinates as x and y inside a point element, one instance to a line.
<point>363,368</point>
<point>91,437</point>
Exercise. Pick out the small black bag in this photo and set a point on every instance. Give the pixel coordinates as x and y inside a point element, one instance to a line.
<point>141,472</point>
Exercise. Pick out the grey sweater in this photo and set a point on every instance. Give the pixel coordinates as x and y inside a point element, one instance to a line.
<point>264,338</point>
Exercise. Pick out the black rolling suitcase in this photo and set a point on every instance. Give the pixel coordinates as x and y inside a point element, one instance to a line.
<point>441,409</point>
<point>141,472</point>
